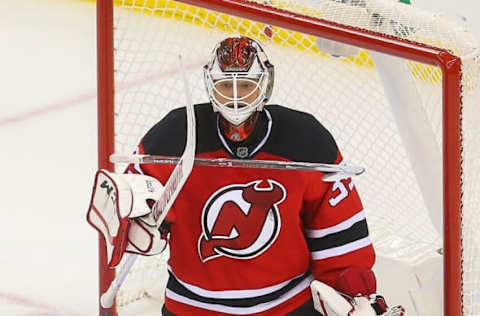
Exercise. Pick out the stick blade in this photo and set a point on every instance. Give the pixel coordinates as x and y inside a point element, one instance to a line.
<point>107,298</point>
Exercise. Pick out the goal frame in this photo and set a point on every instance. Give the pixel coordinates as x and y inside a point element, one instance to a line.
<point>449,64</point>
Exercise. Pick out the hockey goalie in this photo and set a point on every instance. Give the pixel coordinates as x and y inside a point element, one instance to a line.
<point>245,241</point>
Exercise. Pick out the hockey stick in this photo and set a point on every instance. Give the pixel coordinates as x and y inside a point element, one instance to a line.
<point>170,192</point>
<point>335,171</point>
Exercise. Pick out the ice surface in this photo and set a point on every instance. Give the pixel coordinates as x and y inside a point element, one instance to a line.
<point>48,138</point>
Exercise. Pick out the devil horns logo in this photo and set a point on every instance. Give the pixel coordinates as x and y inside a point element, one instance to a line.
<point>241,221</point>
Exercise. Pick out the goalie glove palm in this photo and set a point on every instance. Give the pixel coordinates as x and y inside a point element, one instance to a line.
<point>120,209</point>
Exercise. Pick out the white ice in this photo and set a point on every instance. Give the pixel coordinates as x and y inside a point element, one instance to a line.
<point>48,253</point>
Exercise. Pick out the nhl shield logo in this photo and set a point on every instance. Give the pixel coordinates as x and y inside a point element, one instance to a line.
<point>241,221</point>
<point>242,152</point>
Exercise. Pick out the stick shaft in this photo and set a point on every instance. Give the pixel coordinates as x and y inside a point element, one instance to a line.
<point>170,192</point>
<point>238,163</point>
<point>108,297</point>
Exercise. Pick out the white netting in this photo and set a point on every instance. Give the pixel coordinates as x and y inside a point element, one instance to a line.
<point>379,127</point>
<point>471,186</point>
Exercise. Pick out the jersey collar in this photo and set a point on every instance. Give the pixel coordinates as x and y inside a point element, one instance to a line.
<point>245,152</point>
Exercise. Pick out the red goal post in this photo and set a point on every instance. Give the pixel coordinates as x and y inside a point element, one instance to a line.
<point>305,22</point>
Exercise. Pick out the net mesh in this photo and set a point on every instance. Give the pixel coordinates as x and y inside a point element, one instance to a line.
<point>401,190</point>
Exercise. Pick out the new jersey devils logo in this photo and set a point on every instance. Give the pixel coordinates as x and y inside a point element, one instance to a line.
<point>241,221</point>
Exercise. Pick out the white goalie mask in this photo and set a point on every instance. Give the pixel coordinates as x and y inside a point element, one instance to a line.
<point>239,78</point>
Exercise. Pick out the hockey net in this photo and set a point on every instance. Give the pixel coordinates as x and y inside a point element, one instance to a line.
<point>409,116</point>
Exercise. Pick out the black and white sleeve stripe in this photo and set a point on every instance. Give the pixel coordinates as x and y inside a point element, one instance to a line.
<point>347,236</point>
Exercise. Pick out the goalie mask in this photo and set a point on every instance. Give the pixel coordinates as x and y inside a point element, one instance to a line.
<point>239,81</point>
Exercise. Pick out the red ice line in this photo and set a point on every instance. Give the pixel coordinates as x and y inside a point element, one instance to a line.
<point>60,105</point>
<point>18,300</point>
<point>38,306</point>
<point>53,107</point>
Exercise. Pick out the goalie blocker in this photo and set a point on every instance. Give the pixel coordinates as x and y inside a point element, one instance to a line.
<point>121,210</point>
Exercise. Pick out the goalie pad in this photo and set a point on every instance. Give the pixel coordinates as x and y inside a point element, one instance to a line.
<point>120,210</point>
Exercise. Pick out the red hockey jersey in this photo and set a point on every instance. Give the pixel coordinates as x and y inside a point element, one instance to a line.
<point>250,241</point>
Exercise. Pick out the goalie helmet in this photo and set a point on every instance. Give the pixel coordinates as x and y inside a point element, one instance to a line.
<point>239,80</point>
